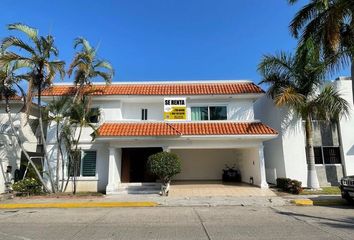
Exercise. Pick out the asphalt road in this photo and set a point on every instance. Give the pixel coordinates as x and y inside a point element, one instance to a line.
<point>179,223</point>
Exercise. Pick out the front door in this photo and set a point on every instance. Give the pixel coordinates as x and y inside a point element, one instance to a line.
<point>134,164</point>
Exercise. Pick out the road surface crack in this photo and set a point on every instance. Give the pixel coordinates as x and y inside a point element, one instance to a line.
<point>202,223</point>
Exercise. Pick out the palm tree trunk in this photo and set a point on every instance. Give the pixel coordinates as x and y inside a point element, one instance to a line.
<point>352,75</point>
<point>58,158</point>
<point>76,157</point>
<point>8,111</point>
<point>312,180</point>
<point>39,102</point>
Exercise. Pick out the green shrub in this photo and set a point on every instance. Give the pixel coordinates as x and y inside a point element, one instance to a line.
<point>28,186</point>
<point>164,165</point>
<point>283,183</point>
<point>295,187</point>
<point>289,185</point>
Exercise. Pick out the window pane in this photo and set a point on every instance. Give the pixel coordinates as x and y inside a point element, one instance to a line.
<point>318,155</point>
<point>144,114</point>
<point>331,155</point>
<point>317,140</point>
<point>199,113</point>
<point>94,113</point>
<point>89,164</point>
<point>326,134</point>
<point>218,113</point>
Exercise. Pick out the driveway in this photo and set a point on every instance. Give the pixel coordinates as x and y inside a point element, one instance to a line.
<point>217,189</point>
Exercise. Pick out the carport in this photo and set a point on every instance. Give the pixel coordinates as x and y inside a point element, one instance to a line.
<point>207,164</point>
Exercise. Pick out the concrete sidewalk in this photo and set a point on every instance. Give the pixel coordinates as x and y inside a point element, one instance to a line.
<point>138,200</point>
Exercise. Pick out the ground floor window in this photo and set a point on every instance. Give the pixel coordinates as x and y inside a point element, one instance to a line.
<point>86,167</point>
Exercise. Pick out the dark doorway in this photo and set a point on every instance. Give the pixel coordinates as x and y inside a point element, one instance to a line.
<point>134,164</point>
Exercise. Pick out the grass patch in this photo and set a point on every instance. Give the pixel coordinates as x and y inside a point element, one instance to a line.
<point>325,191</point>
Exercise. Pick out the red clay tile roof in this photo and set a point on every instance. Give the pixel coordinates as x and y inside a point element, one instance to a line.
<point>177,129</point>
<point>161,89</point>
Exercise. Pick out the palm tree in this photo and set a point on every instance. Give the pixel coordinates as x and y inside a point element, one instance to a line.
<point>57,111</point>
<point>8,81</point>
<point>35,56</point>
<point>86,67</point>
<point>81,116</point>
<point>330,23</point>
<point>296,82</point>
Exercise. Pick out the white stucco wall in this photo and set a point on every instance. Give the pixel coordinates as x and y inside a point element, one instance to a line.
<point>249,165</point>
<point>205,164</point>
<point>285,155</point>
<point>132,111</point>
<point>346,127</point>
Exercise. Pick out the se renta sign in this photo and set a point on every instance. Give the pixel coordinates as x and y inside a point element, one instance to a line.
<point>175,109</point>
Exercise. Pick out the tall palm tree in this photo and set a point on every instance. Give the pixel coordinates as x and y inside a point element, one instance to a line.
<point>37,57</point>
<point>81,116</point>
<point>8,81</point>
<point>296,82</point>
<point>330,23</point>
<point>57,111</point>
<point>86,67</point>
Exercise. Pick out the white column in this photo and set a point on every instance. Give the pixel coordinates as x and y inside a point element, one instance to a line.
<point>264,183</point>
<point>114,169</point>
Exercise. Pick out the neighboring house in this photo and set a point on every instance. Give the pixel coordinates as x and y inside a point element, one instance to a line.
<point>219,129</point>
<point>11,155</point>
<point>333,143</point>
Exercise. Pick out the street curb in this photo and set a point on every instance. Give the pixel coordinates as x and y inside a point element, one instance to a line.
<point>309,202</point>
<point>302,202</point>
<point>78,205</point>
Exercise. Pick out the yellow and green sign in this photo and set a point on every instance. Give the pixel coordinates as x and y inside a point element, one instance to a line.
<point>175,109</point>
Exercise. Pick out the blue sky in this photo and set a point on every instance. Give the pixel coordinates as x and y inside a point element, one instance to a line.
<point>165,39</point>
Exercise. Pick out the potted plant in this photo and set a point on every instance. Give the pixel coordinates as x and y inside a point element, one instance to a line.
<point>164,165</point>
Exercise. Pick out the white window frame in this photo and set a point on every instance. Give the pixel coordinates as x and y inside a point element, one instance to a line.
<point>208,106</point>
<point>81,166</point>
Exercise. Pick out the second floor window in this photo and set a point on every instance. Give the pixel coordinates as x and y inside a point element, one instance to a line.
<point>208,113</point>
<point>144,114</point>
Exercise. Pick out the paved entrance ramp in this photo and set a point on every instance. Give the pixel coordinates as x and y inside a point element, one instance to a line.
<point>216,189</point>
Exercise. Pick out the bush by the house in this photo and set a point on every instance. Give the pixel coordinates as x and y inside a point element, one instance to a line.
<point>164,165</point>
<point>283,183</point>
<point>28,186</point>
<point>289,185</point>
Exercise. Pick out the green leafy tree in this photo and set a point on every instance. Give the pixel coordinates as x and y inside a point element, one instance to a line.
<point>37,57</point>
<point>57,111</point>
<point>296,82</point>
<point>164,165</point>
<point>81,116</point>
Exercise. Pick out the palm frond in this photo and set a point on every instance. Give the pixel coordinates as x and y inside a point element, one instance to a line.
<point>29,31</point>
<point>16,42</point>
<point>329,104</point>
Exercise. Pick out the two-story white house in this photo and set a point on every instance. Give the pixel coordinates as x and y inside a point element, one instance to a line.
<point>219,128</point>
